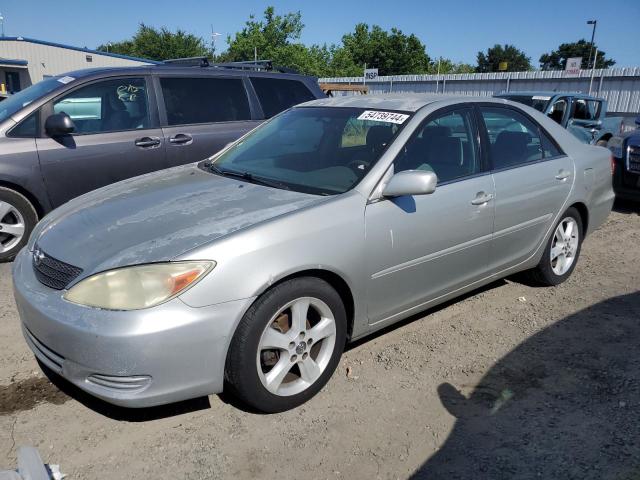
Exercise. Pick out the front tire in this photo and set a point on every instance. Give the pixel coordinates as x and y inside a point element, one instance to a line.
<point>562,251</point>
<point>17,219</point>
<point>287,345</point>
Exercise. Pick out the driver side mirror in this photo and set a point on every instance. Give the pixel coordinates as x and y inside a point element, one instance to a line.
<point>59,124</point>
<point>411,182</point>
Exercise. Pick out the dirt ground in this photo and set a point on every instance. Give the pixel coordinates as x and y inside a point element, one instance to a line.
<point>508,382</point>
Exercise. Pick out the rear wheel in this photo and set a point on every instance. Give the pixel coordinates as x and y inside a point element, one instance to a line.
<point>17,219</point>
<point>287,346</point>
<point>562,251</point>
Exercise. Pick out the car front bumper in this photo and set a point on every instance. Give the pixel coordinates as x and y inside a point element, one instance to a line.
<point>134,358</point>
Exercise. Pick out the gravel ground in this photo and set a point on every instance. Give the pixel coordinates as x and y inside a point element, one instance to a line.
<point>508,382</point>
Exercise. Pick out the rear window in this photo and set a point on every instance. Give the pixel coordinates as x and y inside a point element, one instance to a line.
<point>277,94</point>
<point>204,100</point>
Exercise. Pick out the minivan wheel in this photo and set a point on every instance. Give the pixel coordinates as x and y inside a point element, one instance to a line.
<point>17,219</point>
<point>287,345</point>
<point>562,251</point>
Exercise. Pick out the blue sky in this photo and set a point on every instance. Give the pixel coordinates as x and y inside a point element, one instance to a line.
<point>456,30</point>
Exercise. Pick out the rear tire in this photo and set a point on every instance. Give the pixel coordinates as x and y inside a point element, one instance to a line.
<point>287,345</point>
<point>562,251</point>
<point>17,219</point>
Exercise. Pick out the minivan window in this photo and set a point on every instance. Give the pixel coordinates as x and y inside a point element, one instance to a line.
<point>514,138</point>
<point>107,106</point>
<point>27,128</point>
<point>16,102</point>
<point>204,100</point>
<point>278,94</point>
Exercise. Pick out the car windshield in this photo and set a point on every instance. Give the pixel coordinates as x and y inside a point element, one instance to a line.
<point>319,150</point>
<point>17,101</point>
<point>539,102</point>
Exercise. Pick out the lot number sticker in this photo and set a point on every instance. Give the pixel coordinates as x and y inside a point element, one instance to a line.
<point>378,116</point>
<point>66,80</point>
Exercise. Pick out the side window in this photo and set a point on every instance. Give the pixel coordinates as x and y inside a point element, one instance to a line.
<point>27,128</point>
<point>514,139</point>
<point>277,94</point>
<point>556,112</point>
<point>446,145</point>
<point>586,109</point>
<point>549,148</point>
<point>107,106</point>
<point>204,100</point>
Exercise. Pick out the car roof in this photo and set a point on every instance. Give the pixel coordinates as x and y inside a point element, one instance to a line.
<point>531,93</point>
<point>402,102</point>
<point>179,70</point>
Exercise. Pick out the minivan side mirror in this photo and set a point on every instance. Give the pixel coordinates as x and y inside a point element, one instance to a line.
<point>411,182</point>
<point>59,124</point>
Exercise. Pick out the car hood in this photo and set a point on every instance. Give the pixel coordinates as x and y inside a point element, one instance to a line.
<point>158,217</point>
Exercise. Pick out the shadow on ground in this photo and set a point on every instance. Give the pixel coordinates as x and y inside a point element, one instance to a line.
<point>563,404</point>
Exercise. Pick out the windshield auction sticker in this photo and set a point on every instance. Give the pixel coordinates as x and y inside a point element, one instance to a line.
<point>379,116</point>
<point>66,79</point>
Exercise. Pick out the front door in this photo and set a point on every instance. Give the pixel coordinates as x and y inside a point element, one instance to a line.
<point>422,247</point>
<point>115,138</point>
<point>202,115</point>
<point>533,179</point>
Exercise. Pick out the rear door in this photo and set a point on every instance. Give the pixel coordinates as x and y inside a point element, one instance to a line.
<point>532,177</point>
<point>202,114</point>
<point>117,136</point>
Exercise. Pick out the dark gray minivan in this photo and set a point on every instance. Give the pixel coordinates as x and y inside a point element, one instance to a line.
<point>73,133</point>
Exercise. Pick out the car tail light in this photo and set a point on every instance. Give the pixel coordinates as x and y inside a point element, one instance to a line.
<point>613,165</point>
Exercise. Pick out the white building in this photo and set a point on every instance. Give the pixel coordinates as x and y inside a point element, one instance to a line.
<point>24,61</point>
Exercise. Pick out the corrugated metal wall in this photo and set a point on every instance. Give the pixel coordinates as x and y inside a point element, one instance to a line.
<point>52,60</point>
<point>619,86</point>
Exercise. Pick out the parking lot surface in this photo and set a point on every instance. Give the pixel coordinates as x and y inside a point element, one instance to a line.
<point>508,382</point>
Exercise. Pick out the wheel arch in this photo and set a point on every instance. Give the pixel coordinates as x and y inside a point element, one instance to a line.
<point>337,282</point>
<point>584,215</point>
<point>26,194</point>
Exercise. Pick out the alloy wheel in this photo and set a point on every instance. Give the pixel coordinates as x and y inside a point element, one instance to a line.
<point>12,226</point>
<point>296,346</point>
<point>564,246</point>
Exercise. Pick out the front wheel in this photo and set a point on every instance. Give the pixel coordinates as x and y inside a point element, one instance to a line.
<point>17,219</point>
<point>562,251</point>
<point>287,345</point>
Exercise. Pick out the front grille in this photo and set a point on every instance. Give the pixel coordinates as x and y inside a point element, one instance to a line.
<point>633,159</point>
<point>52,272</point>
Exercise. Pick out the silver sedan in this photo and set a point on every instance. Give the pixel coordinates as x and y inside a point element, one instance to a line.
<point>250,271</point>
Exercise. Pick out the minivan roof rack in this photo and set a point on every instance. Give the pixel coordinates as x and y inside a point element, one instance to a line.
<point>257,65</point>
<point>188,61</point>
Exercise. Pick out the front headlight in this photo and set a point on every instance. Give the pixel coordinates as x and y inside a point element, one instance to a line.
<point>137,287</point>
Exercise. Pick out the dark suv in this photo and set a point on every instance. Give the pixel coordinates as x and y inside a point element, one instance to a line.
<point>70,134</point>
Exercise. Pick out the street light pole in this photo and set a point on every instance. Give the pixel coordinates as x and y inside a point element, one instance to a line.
<point>2,23</point>
<point>593,34</point>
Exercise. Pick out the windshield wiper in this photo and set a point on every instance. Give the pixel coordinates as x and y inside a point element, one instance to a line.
<point>249,177</point>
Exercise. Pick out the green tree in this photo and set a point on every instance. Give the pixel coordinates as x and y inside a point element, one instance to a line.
<point>557,59</point>
<point>445,66</point>
<point>277,38</point>
<point>515,59</point>
<point>392,53</point>
<point>162,44</point>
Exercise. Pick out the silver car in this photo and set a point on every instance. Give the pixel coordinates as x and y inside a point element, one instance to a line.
<point>251,270</point>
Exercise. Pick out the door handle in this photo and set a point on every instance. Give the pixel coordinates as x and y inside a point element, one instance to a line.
<point>482,198</point>
<point>146,142</point>
<point>563,175</point>
<point>181,139</point>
